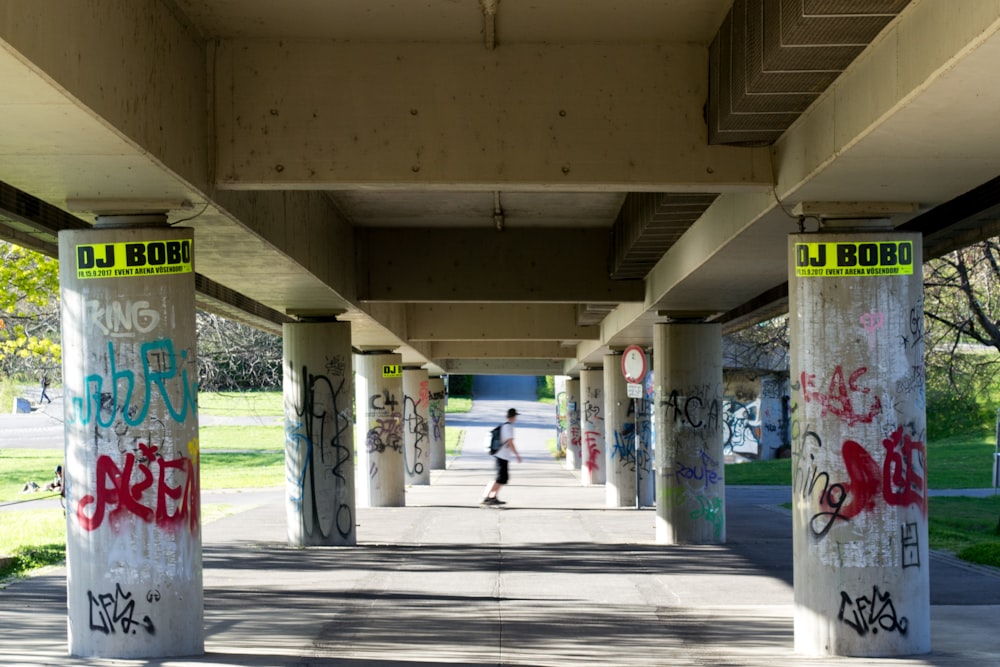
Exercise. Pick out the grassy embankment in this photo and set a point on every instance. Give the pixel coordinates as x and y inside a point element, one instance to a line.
<point>232,457</point>
<point>967,526</point>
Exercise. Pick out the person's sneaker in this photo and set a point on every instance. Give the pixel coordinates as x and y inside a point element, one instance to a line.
<point>490,501</point>
<point>498,502</point>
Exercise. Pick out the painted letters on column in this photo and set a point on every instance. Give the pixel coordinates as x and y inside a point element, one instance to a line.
<point>133,540</point>
<point>690,504</point>
<point>435,410</point>
<point>574,440</point>
<point>593,469</point>
<point>619,428</point>
<point>379,404</point>
<point>416,426</point>
<point>319,434</point>
<point>859,487</point>
<point>645,438</point>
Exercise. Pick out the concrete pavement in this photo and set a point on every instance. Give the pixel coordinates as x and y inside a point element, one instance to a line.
<point>553,578</point>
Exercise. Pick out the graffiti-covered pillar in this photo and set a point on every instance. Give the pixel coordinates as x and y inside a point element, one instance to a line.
<point>859,491</point>
<point>439,457</point>
<point>319,434</point>
<point>379,405</point>
<point>593,470</point>
<point>619,432</point>
<point>133,527</point>
<point>645,442</point>
<point>574,440</point>
<point>416,426</point>
<point>562,426</point>
<point>690,489</point>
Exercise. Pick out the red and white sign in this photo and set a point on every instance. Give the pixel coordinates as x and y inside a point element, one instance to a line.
<point>634,364</point>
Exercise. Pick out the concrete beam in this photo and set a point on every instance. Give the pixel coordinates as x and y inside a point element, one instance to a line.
<point>865,138</point>
<point>303,227</point>
<point>499,350</point>
<point>502,367</point>
<point>480,322</point>
<point>137,66</point>
<point>313,114</point>
<point>480,265</point>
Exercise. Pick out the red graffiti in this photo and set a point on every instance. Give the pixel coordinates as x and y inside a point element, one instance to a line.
<point>900,481</point>
<point>593,450</point>
<point>123,490</point>
<point>903,471</point>
<point>865,480</point>
<point>837,399</point>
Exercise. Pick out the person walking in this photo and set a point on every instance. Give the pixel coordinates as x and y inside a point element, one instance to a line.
<point>45,385</point>
<point>503,456</point>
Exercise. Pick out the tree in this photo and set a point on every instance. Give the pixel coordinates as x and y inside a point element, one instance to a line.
<point>233,356</point>
<point>29,314</point>
<point>962,331</point>
<point>763,346</point>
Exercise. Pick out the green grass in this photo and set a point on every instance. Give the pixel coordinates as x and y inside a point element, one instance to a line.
<point>966,526</point>
<point>36,538</point>
<point>244,438</point>
<point>457,404</point>
<point>18,466</point>
<point>963,525</point>
<point>271,404</point>
<point>958,462</point>
<point>244,404</point>
<point>774,472</point>
<point>242,470</point>
<point>33,538</point>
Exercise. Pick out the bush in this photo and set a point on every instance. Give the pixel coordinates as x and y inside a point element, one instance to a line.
<point>546,387</point>
<point>960,400</point>
<point>948,416</point>
<point>460,386</point>
<point>984,553</point>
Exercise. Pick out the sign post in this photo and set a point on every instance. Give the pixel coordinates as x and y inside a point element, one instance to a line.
<point>634,367</point>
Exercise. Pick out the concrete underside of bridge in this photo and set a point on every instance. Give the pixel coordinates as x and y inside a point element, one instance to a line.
<point>491,187</point>
<point>504,187</point>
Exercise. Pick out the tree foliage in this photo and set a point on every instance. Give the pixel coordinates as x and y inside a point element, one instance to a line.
<point>233,356</point>
<point>962,336</point>
<point>29,314</point>
<point>763,346</point>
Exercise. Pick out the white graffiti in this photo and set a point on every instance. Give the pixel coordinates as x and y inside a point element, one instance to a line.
<point>122,320</point>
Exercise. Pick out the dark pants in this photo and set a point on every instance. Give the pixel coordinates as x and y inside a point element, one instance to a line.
<point>502,475</point>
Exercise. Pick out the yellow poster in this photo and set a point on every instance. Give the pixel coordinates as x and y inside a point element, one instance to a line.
<point>869,258</point>
<point>136,258</point>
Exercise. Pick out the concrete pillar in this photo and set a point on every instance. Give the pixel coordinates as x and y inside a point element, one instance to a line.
<point>645,439</point>
<point>562,424</point>
<point>379,404</point>
<point>619,429</point>
<point>690,503</point>
<point>592,423</point>
<point>858,427</point>
<point>133,525</point>
<point>574,457</point>
<point>319,434</point>
<point>439,457</point>
<point>416,426</point>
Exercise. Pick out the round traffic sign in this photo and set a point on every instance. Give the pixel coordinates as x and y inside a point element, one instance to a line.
<point>633,363</point>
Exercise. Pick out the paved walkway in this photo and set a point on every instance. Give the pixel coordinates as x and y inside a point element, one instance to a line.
<point>554,578</point>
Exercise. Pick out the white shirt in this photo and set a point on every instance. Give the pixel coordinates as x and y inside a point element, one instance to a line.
<point>506,435</point>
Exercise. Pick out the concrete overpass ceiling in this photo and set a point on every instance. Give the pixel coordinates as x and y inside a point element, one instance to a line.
<point>517,21</point>
<point>318,132</point>
<point>471,209</point>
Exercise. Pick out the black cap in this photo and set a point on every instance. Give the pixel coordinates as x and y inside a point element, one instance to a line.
<point>512,413</point>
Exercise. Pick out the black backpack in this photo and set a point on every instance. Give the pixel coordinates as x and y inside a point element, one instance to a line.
<point>495,442</point>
